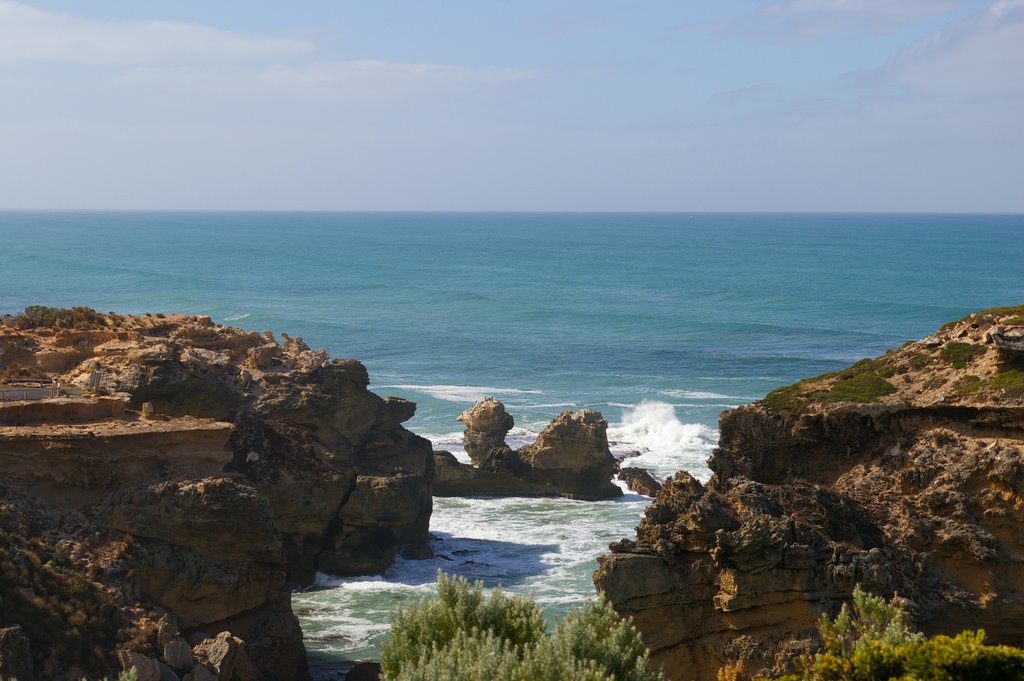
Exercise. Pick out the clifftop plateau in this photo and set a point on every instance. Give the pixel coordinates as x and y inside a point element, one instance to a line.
<point>164,480</point>
<point>903,473</point>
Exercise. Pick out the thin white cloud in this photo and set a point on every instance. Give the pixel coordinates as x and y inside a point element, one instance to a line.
<point>31,35</point>
<point>351,80</point>
<point>811,20</point>
<point>179,57</point>
<point>981,55</point>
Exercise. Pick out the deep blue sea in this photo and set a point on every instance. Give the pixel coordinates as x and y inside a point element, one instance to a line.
<point>660,321</point>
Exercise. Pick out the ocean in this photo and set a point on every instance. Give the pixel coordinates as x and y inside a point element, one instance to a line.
<point>660,321</point>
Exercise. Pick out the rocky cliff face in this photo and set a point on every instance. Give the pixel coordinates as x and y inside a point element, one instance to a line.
<point>570,458</point>
<point>188,476</point>
<point>904,474</point>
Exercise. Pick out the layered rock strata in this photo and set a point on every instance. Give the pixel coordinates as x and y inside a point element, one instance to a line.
<point>904,474</point>
<point>570,458</point>
<point>189,473</point>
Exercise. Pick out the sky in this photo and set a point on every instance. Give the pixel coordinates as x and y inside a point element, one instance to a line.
<point>513,105</point>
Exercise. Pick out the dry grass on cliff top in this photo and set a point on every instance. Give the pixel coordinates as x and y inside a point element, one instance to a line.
<point>959,364</point>
<point>48,590</point>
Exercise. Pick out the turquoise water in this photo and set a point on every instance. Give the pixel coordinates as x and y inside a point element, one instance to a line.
<point>659,321</point>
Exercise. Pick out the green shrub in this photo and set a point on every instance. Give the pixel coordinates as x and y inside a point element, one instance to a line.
<point>961,354</point>
<point>864,381</point>
<point>1010,382</point>
<point>874,642</point>
<point>40,316</point>
<point>968,384</point>
<point>463,636</point>
<point>859,388</point>
<point>871,619</point>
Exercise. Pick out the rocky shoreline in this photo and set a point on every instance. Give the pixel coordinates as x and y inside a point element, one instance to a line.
<point>165,482</point>
<point>189,475</point>
<point>904,474</point>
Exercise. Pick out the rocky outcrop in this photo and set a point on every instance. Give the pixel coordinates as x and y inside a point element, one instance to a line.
<point>192,473</point>
<point>487,423</point>
<point>904,474</point>
<point>570,458</point>
<point>640,481</point>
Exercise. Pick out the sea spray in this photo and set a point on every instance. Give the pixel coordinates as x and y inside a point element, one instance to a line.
<point>665,443</point>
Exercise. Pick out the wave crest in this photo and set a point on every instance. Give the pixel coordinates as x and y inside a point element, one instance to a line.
<point>666,444</point>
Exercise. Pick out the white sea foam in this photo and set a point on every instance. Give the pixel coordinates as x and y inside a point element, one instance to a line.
<point>462,393</point>
<point>546,547</point>
<point>665,443</point>
<point>696,395</point>
<point>236,317</point>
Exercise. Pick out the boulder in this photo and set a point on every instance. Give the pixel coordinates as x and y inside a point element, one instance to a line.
<point>178,655</point>
<point>146,668</point>
<point>219,654</point>
<point>364,671</point>
<point>639,481</point>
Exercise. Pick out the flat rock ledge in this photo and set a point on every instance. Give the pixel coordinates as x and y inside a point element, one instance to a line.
<point>570,458</point>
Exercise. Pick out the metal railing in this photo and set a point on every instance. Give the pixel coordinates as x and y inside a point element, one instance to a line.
<point>12,389</point>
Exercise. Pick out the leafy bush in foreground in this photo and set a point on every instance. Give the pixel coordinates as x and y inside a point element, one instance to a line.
<point>874,642</point>
<point>462,636</point>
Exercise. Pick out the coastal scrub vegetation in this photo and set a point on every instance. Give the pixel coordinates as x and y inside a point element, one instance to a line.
<point>1010,382</point>
<point>863,382</point>
<point>961,354</point>
<point>58,608</point>
<point>40,316</point>
<point>873,640</point>
<point>463,636</point>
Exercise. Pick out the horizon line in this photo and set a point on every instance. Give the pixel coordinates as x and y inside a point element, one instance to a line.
<point>338,211</point>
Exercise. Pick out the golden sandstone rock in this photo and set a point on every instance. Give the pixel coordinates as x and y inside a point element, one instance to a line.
<point>904,474</point>
<point>195,472</point>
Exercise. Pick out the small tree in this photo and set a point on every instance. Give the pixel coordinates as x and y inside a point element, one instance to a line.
<point>871,620</point>
<point>873,640</point>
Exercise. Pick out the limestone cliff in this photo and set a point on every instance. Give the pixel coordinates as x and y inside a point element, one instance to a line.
<point>903,473</point>
<point>184,478</point>
<point>570,458</point>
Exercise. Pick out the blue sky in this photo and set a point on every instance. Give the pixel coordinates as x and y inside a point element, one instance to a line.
<point>739,105</point>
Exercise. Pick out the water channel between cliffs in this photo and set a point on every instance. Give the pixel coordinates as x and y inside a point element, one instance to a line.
<point>544,547</point>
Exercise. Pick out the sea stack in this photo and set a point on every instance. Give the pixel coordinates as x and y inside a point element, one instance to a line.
<point>904,474</point>
<point>570,458</point>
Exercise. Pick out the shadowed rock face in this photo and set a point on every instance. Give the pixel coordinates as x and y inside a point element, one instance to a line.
<point>640,481</point>
<point>258,463</point>
<point>570,458</point>
<point>904,474</point>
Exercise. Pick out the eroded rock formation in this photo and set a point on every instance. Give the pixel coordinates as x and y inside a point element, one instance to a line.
<point>189,474</point>
<point>904,474</point>
<point>570,458</point>
<point>640,481</point>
